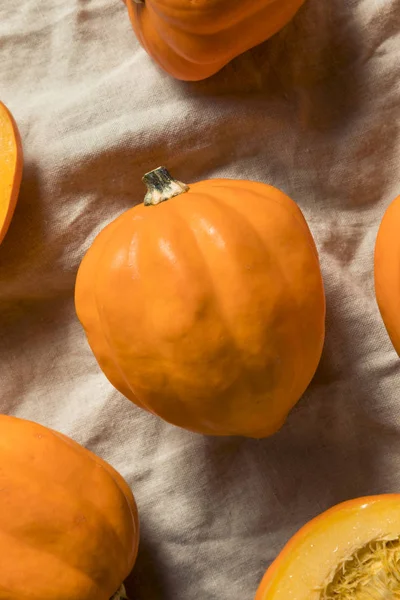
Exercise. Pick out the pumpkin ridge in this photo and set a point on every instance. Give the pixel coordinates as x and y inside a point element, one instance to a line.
<point>243,370</point>
<point>160,32</point>
<point>110,344</point>
<point>194,40</point>
<point>174,204</point>
<point>205,264</point>
<point>64,526</point>
<point>262,245</point>
<point>107,339</point>
<point>208,270</point>
<point>297,215</point>
<point>226,14</point>
<point>85,302</point>
<point>110,473</point>
<point>63,563</point>
<point>154,49</point>
<point>61,494</point>
<point>282,271</point>
<point>211,44</point>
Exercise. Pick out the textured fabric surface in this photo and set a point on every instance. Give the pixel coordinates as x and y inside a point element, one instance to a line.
<point>313,112</point>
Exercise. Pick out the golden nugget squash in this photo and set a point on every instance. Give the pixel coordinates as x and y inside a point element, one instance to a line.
<point>205,304</point>
<point>350,552</point>
<point>193,39</point>
<point>68,521</point>
<point>11,161</point>
<point>387,271</point>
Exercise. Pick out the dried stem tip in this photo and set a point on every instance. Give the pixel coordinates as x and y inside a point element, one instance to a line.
<point>161,186</point>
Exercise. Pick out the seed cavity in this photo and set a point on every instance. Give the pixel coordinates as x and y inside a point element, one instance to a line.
<point>372,573</point>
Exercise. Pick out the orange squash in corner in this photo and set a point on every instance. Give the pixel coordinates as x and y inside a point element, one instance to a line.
<point>387,271</point>
<point>205,305</point>
<point>350,552</point>
<point>68,521</point>
<point>11,161</point>
<point>193,39</point>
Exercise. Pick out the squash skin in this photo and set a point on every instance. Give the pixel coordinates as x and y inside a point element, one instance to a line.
<point>274,577</point>
<point>11,163</point>
<point>193,313</point>
<point>69,526</point>
<point>387,271</point>
<point>193,39</point>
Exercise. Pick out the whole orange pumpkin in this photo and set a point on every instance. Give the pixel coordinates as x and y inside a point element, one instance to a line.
<point>68,521</point>
<point>193,39</point>
<point>387,271</point>
<point>205,304</point>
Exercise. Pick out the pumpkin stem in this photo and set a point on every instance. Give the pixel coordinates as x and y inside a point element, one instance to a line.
<point>161,186</point>
<point>120,594</point>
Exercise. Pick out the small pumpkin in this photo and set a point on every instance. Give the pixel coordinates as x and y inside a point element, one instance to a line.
<point>194,39</point>
<point>205,304</point>
<point>387,271</point>
<point>68,521</point>
<point>350,552</point>
<point>11,160</point>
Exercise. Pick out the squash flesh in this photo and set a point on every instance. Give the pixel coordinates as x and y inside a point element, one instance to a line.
<point>350,552</point>
<point>10,168</point>
<point>387,272</point>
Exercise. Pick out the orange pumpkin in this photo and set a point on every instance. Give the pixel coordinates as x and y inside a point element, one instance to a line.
<point>68,521</point>
<point>194,39</point>
<point>387,271</point>
<point>205,304</point>
<point>350,552</point>
<point>11,161</point>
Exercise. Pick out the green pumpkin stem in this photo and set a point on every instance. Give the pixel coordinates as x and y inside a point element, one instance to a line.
<point>161,186</point>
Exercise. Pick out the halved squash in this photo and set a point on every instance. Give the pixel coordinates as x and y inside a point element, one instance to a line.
<point>350,552</point>
<point>11,161</point>
<point>387,271</point>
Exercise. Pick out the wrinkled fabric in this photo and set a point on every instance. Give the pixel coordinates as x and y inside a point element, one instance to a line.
<point>314,111</point>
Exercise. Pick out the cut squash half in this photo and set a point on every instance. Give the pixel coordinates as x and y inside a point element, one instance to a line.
<point>387,271</point>
<point>350,552</point>
<point>11,161</point>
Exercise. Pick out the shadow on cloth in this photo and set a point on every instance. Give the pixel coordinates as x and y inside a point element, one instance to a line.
<point>309,64</point>
<point>25,233</point>
<point>146,580</point>
<point>327,451</point>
